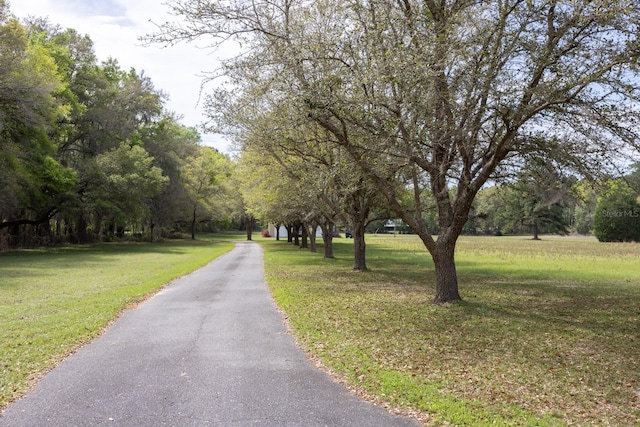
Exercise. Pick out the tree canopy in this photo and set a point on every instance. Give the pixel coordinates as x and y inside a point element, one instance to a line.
<point>443,96</point>
<point>87,150</point>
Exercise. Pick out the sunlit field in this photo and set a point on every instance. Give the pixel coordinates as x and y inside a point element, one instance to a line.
<point>52,301</point>
<point>548,333</point>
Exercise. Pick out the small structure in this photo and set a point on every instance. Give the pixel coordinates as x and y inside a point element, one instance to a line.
<point>284,232</point>
<point>396,226</point>
<point>390,226</point>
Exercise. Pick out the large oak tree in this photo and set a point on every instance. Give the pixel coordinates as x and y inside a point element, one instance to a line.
<point>445,91</point>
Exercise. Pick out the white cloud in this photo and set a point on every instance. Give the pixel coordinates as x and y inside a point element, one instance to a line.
<point>115,27</point>
<point>93,7</point>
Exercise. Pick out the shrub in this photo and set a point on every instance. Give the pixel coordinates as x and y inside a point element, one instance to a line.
<point>617,216</point>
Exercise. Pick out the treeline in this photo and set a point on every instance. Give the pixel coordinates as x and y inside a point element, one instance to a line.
<point>306,190</point>
<point>88,151</point>
<point>543,201</point>
<point>415,107</point>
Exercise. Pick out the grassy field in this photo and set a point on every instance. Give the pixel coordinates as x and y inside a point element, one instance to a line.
<point>52,301</point>
<point>548,333</point>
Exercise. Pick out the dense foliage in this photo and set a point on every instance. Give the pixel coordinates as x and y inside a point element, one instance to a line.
<point>617,216</point>
<point>88,151</point>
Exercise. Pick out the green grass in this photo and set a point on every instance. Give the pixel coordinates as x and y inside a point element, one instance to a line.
<point>52,301</point>
<point>548,333</point>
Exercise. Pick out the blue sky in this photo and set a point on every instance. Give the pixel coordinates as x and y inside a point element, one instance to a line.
<point>95,7</point>
<point>115,27</point>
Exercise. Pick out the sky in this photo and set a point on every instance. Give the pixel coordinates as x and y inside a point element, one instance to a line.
<point>115,26</point>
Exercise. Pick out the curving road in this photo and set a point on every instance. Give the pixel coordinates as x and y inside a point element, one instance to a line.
<point>209,350</point>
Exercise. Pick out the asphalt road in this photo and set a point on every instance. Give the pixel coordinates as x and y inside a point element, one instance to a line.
<point>208,350</point>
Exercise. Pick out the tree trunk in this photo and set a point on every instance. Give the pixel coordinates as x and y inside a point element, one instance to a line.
<point>312,237</point>
<point>359,247</point>
<point>290,233</point>
<point>305,237</point>
<point>536,231</point>
<point>152,229</point>
<point>327,237</point>
<point>277,232</point>
<point>249,227</point>
<point>193,225</point>
<point>82,236</point>
<point>45,233</point>
<point>442,253</point>
<point>296,234</point>
<point>14,236</point>
<point>446,275</point>
<point>111,230</point>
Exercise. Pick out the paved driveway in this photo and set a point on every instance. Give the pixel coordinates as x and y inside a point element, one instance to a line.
<point>208,350</point>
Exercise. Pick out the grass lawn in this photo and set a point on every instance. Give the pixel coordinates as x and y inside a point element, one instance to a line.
<point>52,301</point>
<point>548,333</point>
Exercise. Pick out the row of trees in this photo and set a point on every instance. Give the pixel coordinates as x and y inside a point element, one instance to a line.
<point>87,150</point>
<point>346,112</point>
<point>422,103</point>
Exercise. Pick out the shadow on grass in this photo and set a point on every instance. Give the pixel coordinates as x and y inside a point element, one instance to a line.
<point>544,339</point>
<point>42,261</point>
<point>553,304</point>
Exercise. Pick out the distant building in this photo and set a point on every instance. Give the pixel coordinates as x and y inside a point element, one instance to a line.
<point>284,232</point>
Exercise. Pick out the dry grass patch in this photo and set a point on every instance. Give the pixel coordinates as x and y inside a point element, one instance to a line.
<point>545,336</point>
